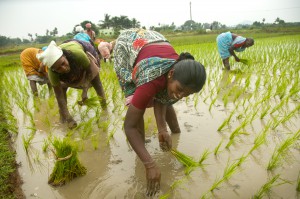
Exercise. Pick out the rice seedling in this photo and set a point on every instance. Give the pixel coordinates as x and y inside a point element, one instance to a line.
<point>226,121</point>
<point>287,117</point>
<point>298,183</point>
<point>87,128</point>
<point>229,170</point>
<point>281,150</point>
<point>95,141</point>
<point>27,141</point>
<point>186,160</point>
<point>261,138</point>
<point>174,185</point>
<point>67,165</point>
<point>212,103</point>
<point>266,188</point>
<point>217,149</point>
<point>92,101</point>
<point>216,184</point>
<point>264,111</point>
<point>237,132</point>
<point>204,156</point>
<point>278,106</point>
<point>111,135</point>
<point>45,145</point>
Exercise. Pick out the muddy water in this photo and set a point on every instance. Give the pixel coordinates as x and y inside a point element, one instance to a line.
<point>114,171</point>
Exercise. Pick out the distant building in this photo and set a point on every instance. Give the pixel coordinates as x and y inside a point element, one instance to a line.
<point>106,32</point>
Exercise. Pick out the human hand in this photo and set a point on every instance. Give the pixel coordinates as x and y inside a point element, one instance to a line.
<point>153,176</point>
<point>165,141</point>
<point>71,123</point>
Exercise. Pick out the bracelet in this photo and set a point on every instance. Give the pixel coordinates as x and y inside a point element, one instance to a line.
<point>151,164</point>
<point>165,129</point>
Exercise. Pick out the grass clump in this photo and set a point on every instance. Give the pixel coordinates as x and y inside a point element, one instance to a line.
<point>186,160</point>
<point>245,61</point>
<point>67,166</point>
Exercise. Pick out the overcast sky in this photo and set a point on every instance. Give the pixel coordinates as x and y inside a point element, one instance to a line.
<point>20,17</point>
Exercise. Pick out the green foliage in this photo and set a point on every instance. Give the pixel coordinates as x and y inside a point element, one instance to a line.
<point>67,166</point>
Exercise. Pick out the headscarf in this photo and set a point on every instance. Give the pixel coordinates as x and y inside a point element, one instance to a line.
<point>50,55</point>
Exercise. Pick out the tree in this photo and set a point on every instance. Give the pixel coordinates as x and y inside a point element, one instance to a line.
<point>4,41</point>
<point>135,23</point>
<point>31,37</point>
<point>54,32</point>
<point>216,25</point>
<point>106,23</point>
<point>191,25</point>
<point>279,21</point>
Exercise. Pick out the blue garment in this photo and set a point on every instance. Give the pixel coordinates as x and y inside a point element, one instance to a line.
<point>224,41</point>
<point>82,36</point>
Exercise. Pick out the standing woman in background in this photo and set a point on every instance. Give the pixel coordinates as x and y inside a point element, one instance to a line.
<point>90,32</point>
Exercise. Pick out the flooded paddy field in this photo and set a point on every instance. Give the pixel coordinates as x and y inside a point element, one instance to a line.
<point>243,128</point>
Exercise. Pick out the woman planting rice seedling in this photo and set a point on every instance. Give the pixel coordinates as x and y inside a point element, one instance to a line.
<point>34,69</point>
<point>73,64</point>
<point>228,43</point>
<point>151,73</point>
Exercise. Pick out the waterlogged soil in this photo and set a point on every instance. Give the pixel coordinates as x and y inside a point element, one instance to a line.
<point>114,170</point>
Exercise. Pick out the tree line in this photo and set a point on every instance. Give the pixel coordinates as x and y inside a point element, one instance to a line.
<point>123,22</point>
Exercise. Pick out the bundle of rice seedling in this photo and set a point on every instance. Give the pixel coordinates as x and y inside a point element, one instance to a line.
<point>67,165</point>
<point>186,160</point>
<point>245,61</point>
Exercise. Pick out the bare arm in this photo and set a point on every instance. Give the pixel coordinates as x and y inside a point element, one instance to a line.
<point>134,134</point>
<point>231,50</point>
<point>63,109</point>
<point>33,87</point>
<point>160,111</point>
<point>135,137</point>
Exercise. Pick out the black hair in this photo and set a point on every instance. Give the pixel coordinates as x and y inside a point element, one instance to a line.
<point>189,73</point>
<point>76,70</point>
<point>185,55</point>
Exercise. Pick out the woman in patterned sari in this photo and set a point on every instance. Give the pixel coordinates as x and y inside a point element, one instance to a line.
<point>228,43</point>
<point>151,73</point>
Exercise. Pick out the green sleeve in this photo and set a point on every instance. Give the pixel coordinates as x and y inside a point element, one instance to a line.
<point>77,51</point>
<point>53,77</point>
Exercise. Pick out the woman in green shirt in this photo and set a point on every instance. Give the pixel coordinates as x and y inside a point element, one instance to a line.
<point>72,64</point>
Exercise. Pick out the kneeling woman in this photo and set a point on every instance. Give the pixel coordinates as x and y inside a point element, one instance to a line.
<point>73,64</point>
<point>151,73</point>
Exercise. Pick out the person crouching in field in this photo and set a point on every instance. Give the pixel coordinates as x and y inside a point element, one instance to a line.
<point>73,64</point>
<point>34,70</point>
<point>106,50</point>
<point>228,43</point>
<point>151,74</point>
<point>81,35</point>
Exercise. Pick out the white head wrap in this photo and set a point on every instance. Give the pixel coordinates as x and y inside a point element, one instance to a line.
<point>79,29</point>
<point>50,55</point>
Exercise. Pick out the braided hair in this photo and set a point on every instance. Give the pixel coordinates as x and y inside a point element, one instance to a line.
<point>189,73</point>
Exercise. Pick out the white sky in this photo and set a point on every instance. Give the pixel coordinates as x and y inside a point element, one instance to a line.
<point>20,17</point>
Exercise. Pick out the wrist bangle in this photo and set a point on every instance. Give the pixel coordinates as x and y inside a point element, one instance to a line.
<point>164,130</point>
<point>149,164</point>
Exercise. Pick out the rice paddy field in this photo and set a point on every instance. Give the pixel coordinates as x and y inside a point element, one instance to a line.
<point>240,134</point>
